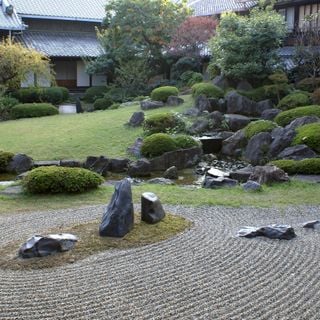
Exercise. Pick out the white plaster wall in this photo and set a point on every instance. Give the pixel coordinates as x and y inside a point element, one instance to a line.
<point>83,79</point>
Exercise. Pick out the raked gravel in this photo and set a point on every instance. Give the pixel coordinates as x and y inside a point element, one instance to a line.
<point>204,273</point>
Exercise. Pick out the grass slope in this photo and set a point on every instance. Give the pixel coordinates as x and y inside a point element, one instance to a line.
<point>75,136</point>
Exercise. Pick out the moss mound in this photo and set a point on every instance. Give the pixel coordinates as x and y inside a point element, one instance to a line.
<point>93,93</point>
<point>163,93</point>
<point>5,158</point>
<point>309,134</point>
<point>256,127</point>
<point>294,100</point>
<point>102,103</point>
<point>60,180</point>
<point>285,117</point>
<point>207,89</point>
<point>305,166</point>
<point>157,144</point>
<point>185,142</point>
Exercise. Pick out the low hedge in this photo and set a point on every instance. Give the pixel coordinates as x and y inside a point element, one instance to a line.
<point>285,117</point>
<point>93,93</point>
<point>32,110</point>
<point>28,95</point>
<point>54,95</point>
<point>185,142</point>
<point>294,100</point>
<point>103,103</point>
<point>60,180</point>
<point>207,89</point>
<point>309,134</point>
<point>305,166</point>
<point>157,144</point>
<point>163,93</point>
<point>5,158</point>
<point>256,127</point>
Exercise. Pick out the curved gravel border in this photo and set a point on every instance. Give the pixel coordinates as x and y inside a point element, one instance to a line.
<point>204,273</point>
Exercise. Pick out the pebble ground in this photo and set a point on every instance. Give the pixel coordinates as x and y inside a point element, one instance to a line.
<point>204,273</point>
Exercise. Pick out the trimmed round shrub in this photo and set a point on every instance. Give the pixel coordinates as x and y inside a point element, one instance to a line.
<point>32,110</point>
<point>163,93</point>
<point>102,103</point>
<point>256,127</point>
<point>157,144</point>
<point>309,134</point>
<point>6,104</point>
<point>305,166</point>
<point>163,122</point>
<point>308,84</point>
<point>93,93</point>
<point>54,95</point>
<point>28,95</point>
<point>207,89</point>
<point>5,158</point>
<point>294,100</point>
<point>185,142</point>
<point>61,180</point>
<point>285,117</point>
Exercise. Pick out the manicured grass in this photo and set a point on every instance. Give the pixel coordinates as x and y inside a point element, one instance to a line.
<point>76,136</point>
<point>293,193</point>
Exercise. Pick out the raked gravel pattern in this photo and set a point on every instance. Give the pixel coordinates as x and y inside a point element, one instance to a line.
<point>205,273</point>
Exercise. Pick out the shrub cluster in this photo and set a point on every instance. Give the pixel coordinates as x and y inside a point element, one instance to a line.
<point>157,144</point>
<point>93,93</point>
<point>103,103</point>
<point>5,158</point>
<point>308,84</point>
<point>61,180</point>
<point>163,93</point>
<point>31,110</point>
<point>6,104</point>
<point>294,100</point>
<point>309,134</point>
<point>256,127</point>
<point>285,117</point>
<point>207,89</point>
<point>190,78</point>
<point>305,166</point>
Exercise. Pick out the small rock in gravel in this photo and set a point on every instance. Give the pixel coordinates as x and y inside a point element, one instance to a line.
<point>315,224</point>
<point>151,208</point>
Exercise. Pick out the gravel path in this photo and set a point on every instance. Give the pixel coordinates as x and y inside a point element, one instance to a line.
<point>205,273</point>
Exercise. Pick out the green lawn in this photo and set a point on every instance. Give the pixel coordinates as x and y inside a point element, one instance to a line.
<point>75,136</point>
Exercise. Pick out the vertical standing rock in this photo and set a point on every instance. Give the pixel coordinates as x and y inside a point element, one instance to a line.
<point>151,208</point>
<point>117,220</point>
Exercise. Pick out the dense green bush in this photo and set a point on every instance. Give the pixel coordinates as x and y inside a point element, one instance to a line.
<point>157,144</point>
<point>185,64</point>
<point>6,104</point>
<point>305,166</point>
<point>185,142</point>
<point>309,134</point>
<point>163,122</point>
<point>285,117</point>
<point>309,84</point>
<point>163,93</point>
<point>54,95</point>
<point>256,127</point>
<point>93,93</point>
<point>61,180</point>
<point>207,89</point>
<point>103,103</point>
<point>31,110</point>
<point>294,100</point>
<point>5,158</point>
<point>28,95</point>
<point>190,78</point>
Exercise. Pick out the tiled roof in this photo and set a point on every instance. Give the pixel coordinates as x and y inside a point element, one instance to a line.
<point>83,10</point>
<point>212,7</point>
<point>62,44</point>
<point>9,21</point>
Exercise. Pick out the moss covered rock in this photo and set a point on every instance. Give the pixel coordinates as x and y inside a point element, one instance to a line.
<point>207,89</point>
<point>256,127</point>
<point>309,134</point>
<point>294,100</point>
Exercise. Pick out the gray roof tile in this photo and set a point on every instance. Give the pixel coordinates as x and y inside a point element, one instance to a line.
<point>9,21</point>
<point>64,44</point>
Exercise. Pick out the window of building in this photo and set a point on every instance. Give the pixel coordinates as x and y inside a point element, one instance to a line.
<point>309,16</point>
<point>288,14</point>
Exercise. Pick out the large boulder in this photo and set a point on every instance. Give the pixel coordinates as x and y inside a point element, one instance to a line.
<point>42,246</point>
<point>20,163</point>
<point>136,119</point>
<point>274,231</point>
<point>239,104</point>
<point>202,103</point>
<point>151,208</point>
<point>236,121</point>
<point>281,139</point>
<point>297,152</point>
<point>139,168</point>
<point>218,105</point>
<point>199,126</point>
<point>251,186</point>
<point>264,105</point>
<point>242,175</point>
<point>257,149</point>
<point>174,101</point>
<point>118,217</point>
<point>216,119</point>
<point>118,165</point>
<point>232,146</point>
<point>171,173</point>
<point>148,105</point>
<point>98,164</point>
<point>268,174</point>
<point>270,114</point>
<point>301,122</point>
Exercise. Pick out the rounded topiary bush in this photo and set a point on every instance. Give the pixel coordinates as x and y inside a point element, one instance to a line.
<point>163,93</point>
<point>157,144</point>
<point>103,103</point>
<point>185,142</point>
<point>32,110</point>
<point>93,93</point>
<point>285,117</point>
<point>207,89</point>
<point>5,158</point>
<point>163,122</point>
<point>309,134</point>
<point>305,166</point>
<point>256,127</point>
<point>294,100</point>
<point>54,95</point>
<point>60,180</point>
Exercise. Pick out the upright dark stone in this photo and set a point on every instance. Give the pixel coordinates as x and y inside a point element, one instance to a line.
<point>171,173</point>
<point>136,119</point>
<point>257,149</point>
<point>233,145</point>
<point>118,217</point>
<point>79,106</point>
<point>151,208</point>
<point>20,163</point>
<point>239,104</point>
<point>135,149</point>
<point>281,139</point>
<point>202,103</point>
